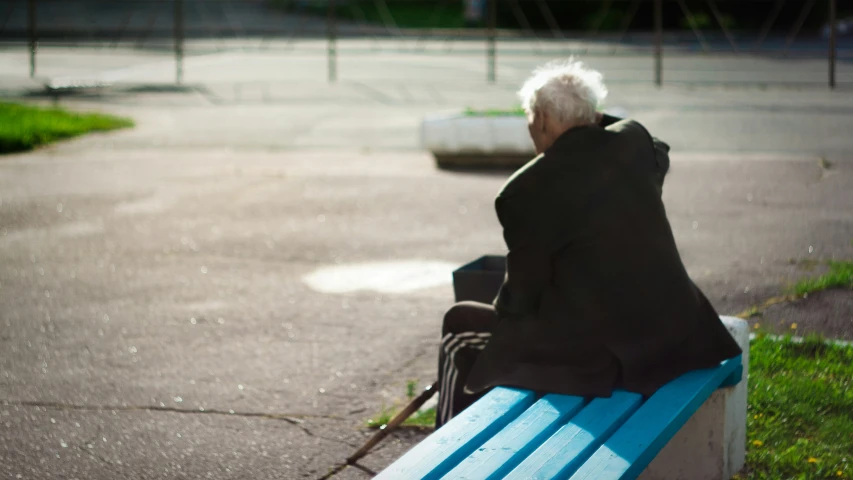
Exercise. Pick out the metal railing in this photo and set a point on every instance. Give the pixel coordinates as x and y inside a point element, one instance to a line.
<point>180,21</point>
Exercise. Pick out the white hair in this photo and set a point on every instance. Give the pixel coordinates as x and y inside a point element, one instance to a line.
<point>568,90</point>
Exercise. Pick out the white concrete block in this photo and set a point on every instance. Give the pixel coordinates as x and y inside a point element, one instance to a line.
<point>510,135</point>
<point>712,444</point>
<point>437,135</point>
<point>458,134</point>
<point>472,135</point>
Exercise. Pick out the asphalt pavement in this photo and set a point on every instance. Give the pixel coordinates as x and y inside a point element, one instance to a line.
<point>232,287</point>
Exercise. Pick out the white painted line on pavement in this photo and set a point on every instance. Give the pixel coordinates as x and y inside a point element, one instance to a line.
<point>384,277</point>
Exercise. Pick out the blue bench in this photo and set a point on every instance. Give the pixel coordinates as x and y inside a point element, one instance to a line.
<point>511,433</point>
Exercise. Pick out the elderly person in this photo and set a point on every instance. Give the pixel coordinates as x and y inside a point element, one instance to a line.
<point>595,295</point>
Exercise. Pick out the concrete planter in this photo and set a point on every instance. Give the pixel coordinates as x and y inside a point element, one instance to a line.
<point>463,141</point>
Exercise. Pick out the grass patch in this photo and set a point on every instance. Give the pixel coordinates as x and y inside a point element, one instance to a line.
<point>495,112</point>
<point>25,127</point>
<point>840,275</point>
<point>800,414</point>
<point>422,419</point>
<point>517,111</point>
<point>751,312</point>
<point>425,418</point>
<point>758,310</point>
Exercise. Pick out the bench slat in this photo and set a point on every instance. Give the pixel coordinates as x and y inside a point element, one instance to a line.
<point>573,443</point>
<point>512,444</point>
<point>629,451</point>
<point>450,444</point>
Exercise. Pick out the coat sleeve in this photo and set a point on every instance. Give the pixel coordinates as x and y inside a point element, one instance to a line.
<point>658,163</point>
<point>661,150</point>
<point>662,162</point>
<point>528,270</point>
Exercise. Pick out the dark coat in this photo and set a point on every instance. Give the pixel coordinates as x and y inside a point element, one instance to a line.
<point>595,295</point>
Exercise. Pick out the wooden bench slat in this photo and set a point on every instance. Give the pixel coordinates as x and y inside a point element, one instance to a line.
<point>450,444</point>
<point>629,451</point>
<point>573,443</point>
<point>518,439</point>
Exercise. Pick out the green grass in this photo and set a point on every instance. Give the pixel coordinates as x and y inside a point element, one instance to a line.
<point>421,419</point>
<point>25,127</point>
<point>800,414</point>
<point>753,311</point>
<point>495,112</point>
<point>840,275</point>
<point>425,418</point>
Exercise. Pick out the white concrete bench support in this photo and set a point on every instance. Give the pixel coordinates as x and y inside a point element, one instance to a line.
<point>712,444</point>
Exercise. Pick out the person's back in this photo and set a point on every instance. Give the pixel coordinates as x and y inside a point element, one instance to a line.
<point>596,295</point>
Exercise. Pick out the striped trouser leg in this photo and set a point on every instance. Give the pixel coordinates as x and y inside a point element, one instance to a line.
<point>456,357</point>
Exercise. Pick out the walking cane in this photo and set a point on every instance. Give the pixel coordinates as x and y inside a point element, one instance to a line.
<point>401,417</point>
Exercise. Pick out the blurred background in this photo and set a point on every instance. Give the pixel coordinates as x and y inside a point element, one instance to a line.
<point>672,41</point>
<point>244,262</point>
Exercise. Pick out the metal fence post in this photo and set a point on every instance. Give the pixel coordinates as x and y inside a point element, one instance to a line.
<point>659,43</point>
<point>332,43</point>
<point>33,38</point>
<point>833,33</point>
<point>491,47</point>
<point>179,40</point>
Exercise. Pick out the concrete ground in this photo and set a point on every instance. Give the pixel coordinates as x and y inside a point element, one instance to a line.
<point>175,298</point>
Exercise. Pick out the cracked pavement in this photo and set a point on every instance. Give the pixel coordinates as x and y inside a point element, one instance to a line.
<point>153,280</point>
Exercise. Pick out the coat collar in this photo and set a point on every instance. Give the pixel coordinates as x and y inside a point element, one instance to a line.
<point>576,137</point>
